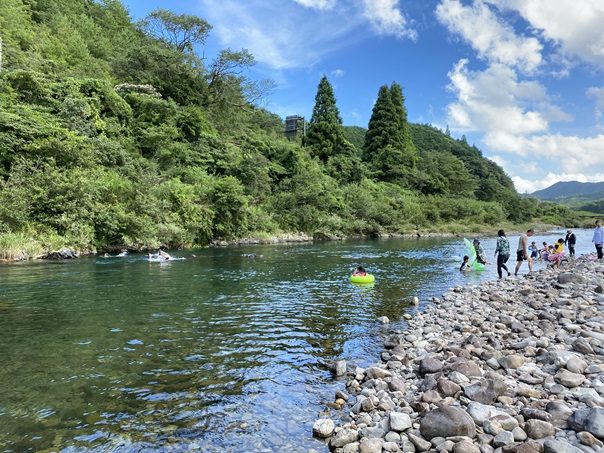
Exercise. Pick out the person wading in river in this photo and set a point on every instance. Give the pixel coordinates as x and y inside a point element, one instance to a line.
<point>522,252</point>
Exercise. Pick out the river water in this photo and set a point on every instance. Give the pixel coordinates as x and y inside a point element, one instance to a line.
<point>213,352</point>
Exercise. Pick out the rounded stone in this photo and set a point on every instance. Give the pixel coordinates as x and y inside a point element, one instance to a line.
<point>323,427</point>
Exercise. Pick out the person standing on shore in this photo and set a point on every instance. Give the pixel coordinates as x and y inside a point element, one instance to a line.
<point>598,239</point>
<point>570,240</point>
<point>522,252</point>
<point>502,252</point>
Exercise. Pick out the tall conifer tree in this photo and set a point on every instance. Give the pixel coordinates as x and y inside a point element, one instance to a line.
<point>325,135</point>
<point>388,148</point>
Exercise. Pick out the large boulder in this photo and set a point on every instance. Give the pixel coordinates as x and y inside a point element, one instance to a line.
<point>447,421</point>
<point>62,254</point>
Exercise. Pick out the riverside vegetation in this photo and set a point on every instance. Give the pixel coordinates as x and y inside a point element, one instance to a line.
<point>124,135</point>
<point>512,366</point>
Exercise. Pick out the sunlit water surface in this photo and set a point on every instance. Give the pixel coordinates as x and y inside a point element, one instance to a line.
<point>214,352</point>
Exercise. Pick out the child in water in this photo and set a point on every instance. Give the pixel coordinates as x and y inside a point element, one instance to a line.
<point>465,266</point>
<point>359,272</point>
<point>534,250</point>
<point>558,248</point>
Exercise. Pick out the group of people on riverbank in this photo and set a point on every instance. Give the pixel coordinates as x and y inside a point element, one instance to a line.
<point>528,252</point>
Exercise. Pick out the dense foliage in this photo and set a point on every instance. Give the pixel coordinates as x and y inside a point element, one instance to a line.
<point>120,134</point>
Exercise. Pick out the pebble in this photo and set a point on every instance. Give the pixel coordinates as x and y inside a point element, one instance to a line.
<point>514,365</point>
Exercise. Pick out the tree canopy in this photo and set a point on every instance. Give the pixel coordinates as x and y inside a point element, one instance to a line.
<point>116,134</point>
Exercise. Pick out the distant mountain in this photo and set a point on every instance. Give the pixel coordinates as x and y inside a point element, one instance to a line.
<point>571,192</point>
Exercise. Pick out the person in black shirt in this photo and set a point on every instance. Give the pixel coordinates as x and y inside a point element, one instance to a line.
<point>570,242</point>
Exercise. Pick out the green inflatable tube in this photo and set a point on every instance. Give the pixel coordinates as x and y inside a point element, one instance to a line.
<point>362,278</point>
<point>471,251</point>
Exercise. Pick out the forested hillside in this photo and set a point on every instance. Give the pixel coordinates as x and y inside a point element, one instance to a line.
<point>119,134</point>
<point>572,192</point>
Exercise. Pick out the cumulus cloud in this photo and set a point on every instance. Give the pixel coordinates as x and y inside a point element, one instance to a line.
<point>494,100</point>
<point>494,41</point>
<point>507,104</point>
<point>574,25</point>
<point>387,18</point>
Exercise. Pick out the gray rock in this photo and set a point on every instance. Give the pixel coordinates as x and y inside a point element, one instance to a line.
<point>594,422</point>
<point>375,432</point>
<point>512,361</point>
<point>589,439</point>
<point>538,429</point>
<point>396,384</point>
<point>502,439</point>
<point>485,391</point>
<point>392,437</point>
<point>581,345</point>
<point>465,447</point>
<point>447,421</point>
<point>343,437</point>
<point>351,447</point>
<point>393,446</point>
<point>529,412</point>
<point>394,341</point>
<point>400,421</point>
<point>576,365</point>
<point>338,368</point>
<point>558,446</point>
<point>568,379</point>
<point>371,446</point>
<point>479,412</point>
<point>429,365</point>
<point>467,368</point>
<point>420,443</point>
<point>519,434</point>
<point>62,254</point>
<point>375,372</point>
<point>566,277</point>
<point>447,387</point>
<point>323,428</point>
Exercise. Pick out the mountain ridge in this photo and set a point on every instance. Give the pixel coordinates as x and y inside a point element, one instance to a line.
<point>571,191</point>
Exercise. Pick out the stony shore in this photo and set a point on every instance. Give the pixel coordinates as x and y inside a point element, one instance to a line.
<point>514,365</point>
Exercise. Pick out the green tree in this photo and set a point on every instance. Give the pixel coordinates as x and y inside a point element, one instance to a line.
<point>324,136</point>
<point>388,146</point>
<point>179,31</point>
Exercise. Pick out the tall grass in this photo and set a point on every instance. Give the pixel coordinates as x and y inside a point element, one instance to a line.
<point>19,246</point>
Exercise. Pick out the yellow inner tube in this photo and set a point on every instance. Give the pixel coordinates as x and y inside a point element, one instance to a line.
<point>362,278</point>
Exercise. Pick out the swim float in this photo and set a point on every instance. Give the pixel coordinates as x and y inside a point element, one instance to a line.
<point>471,251</point>
<point>362,278</point>
<point>555,256</point>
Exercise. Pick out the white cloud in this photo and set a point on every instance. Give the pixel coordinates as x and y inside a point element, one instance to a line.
<point>528,186</point>
<point>571,153</point>
<point>298,36</point>
<point>337,73</point>
<point>317,4</point>
<point>514,114</point>
<point>494,100</point>
<point>387,19</point>
<point>574,25</point>
<point>494,40</point>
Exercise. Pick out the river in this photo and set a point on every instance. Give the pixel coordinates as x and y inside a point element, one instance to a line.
<point>217,351</point>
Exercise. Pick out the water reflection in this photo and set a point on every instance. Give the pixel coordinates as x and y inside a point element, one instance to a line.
<point>218,351</point>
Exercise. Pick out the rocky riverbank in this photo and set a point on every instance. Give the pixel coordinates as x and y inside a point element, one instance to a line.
<point>514,365</point>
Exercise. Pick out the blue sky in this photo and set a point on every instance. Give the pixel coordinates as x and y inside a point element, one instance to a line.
<point>521,79</point>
